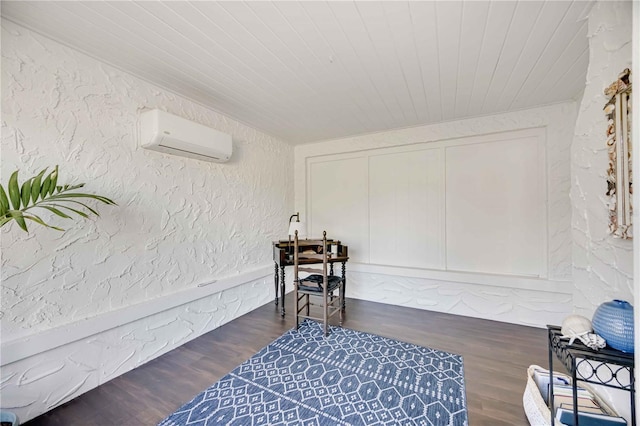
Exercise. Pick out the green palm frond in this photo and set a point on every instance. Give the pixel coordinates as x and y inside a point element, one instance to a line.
<point>43,192</point>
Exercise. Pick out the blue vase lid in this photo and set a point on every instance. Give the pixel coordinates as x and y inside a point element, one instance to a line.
<point>620,304</point>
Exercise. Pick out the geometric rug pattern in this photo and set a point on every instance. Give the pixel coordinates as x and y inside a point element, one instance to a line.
<point>347,378</point>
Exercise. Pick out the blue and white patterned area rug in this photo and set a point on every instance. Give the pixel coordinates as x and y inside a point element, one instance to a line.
<point>347,378</point>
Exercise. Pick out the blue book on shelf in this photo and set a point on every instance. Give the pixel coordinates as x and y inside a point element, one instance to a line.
<point>565,416</point>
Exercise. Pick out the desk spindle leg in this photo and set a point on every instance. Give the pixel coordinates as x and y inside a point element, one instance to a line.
<point>344,284</point>
<point>632,391</point>
<point>275,281</point>
<point>282,289</point>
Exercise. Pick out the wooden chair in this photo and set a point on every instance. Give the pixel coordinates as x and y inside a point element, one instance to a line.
<point>319,286</point>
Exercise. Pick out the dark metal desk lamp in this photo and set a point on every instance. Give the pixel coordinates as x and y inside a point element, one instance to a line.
<point>295,226</point>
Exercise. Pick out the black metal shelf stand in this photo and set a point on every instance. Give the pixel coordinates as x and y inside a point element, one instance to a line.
<point>605,367</point>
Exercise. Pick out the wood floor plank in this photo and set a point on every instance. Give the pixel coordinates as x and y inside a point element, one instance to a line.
<point>496,356</point>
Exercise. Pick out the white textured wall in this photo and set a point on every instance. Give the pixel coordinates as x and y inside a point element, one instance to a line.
<point>34,385</point>
<point>511,304</point>
<point>475,296</point>
<point>635,77</point>
<point>602,265</point>
<point>179,222</point>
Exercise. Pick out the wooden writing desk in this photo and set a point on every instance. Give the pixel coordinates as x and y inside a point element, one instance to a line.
<point>283,256</point>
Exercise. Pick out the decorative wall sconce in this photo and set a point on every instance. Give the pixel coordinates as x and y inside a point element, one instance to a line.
<point>619,172</point>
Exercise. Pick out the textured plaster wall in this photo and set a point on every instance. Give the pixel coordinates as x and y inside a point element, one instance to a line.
<point>602,265</point>
<point>37,384</point>
<point>636,176</point>
<point>507,304</point>
<point>503,303</point>
<point>179,222</point>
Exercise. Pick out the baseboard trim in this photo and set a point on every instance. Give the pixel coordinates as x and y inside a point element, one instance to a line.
<point>26,346</point>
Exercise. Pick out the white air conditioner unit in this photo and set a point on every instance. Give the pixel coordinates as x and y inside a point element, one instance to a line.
<point>168,133</point>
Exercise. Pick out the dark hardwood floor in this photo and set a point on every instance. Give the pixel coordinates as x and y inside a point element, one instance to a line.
<point>496,356</point>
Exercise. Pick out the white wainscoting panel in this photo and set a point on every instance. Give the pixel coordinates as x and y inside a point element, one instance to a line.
<point>476,204</point>
<point>338,203</point>
<point>496,204</point>
<point>528,299</point>
<point>406,201</point>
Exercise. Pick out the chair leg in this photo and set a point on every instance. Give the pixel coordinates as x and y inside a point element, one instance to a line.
<point>308,302</point>
<point>340,307</point>
<point>326,314</point>
<point>340,299</point>
<point>297,303</point>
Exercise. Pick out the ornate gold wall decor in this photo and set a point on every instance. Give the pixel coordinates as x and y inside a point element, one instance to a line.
<point>619,179</point>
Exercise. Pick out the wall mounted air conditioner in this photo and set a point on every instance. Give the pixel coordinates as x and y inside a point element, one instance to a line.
<point>168,133</point>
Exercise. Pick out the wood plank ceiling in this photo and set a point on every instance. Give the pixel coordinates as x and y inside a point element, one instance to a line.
<point>309,71</point>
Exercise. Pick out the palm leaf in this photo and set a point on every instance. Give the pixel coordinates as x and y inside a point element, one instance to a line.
<point>54,180</point>
<point>47,195</point>
<point>25,192</point>
<point>76,211</point>
<point>80,203</point>
<point>73,187</point>
<point>19,218</point>
<point>81,195</point>
<point>14,191</point>
<point>55,211</point>
<point>35,186</point>
<point>5,219</point>
<point>4,202</point>
<point>38,220</point>
<point>44,189</point>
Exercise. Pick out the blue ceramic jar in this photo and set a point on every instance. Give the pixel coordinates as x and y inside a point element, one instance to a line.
<point>614,322</point>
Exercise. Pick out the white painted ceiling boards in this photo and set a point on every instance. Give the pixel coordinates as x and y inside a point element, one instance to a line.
<point>309,71</point>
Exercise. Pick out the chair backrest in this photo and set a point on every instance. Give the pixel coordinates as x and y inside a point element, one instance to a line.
<point>310,249</point>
